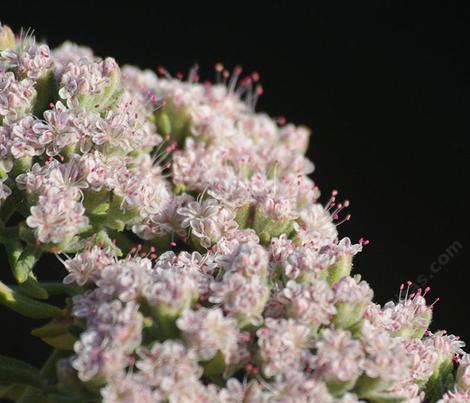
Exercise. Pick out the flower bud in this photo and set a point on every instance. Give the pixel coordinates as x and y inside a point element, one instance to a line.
<point>341,269</point>
<point>351,301</point>
<point>445,347</point>
<point>7,37</point>
<point>242,216</point>
<point>91,85</point>
<point>242,297</point>
<point>338,360</point>
<point>249,259</point>
<point>21,165</point>
<point>213,338</point>
<point>174,120</point>
<point>309,303</point>
<point>119,214</point>
<point>168,297</point>
<point>96,203</point>
<point>268,228</point>
<point>409,318</point>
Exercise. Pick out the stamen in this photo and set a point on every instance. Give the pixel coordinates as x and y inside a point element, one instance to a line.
<point>408,283</point>
<point>281,120</point>
<point>347,218</point>
<point>164,72</point>
<point>219,68</point>
<point>435,302</point>
<point>233,80</point>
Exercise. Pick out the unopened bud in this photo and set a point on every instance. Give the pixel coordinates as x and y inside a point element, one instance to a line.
<point>7,37</point>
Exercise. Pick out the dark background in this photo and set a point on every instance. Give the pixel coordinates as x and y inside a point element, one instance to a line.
<point>381,85</point>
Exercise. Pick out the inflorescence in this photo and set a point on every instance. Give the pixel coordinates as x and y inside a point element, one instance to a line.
<point>240,288</point>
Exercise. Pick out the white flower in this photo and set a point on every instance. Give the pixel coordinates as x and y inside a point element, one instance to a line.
<point>5,191</point>
<point>208,221</point>
<point>241,297</point>
<point>167,367</point>
<point>312,304</point>
<point>283,346</point>
<point>408,316</point>
<point>463,373</point>
<point>125,279</point>
<point>339,357</point>
<point>455,396</point>
<point>386,358</point>
<point>348,291</point>
<point>16,97</point>
<point>114,331</point>
<point>307,263</point>
<point>23,141</point>
<point>207,332</point>
<point>127,389</point>
<point>446,346</point>
<point>249,259</point>
<point>295,386</point>
<point>57,217</point>
<point>246,392</point>
<point>316,226</point>
<point>69,52</point>
<point>86,266</point>
<point>28,58</point>
<point>171,291</point>
<point>86,82</point>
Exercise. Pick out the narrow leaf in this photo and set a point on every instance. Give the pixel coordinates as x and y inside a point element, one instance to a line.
<point>16,371</point>
<point>21,259</point>
<point>11,392</point>
<point>33,288</point>
<point>26,306</point>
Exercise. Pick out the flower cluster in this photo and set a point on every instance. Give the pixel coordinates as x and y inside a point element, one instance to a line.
<point>240,289</point>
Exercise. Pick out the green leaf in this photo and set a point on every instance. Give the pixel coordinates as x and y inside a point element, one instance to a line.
<point>55,288</point>
<point>26,306</point>
<point>32,395</point>
<point>14,250</point>
<point>163,123</point>
<point>16,371</point>
<point>33,288</point>
<point>56,334</point>
<point>22,260</point>
<point>53,328</point>
<point>342,268</point>
<point>59,398</point>
<point>26,262</point>
<point>63,341</point>
<point>441,379</point>
<point>11,392</point>
<point>11,204</point>
<point>101,209</point>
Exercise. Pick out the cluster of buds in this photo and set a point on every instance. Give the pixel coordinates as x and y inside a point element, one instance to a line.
<point>239,289</point>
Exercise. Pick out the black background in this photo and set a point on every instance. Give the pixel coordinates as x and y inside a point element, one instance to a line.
<point>381,85</point>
